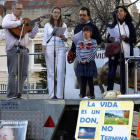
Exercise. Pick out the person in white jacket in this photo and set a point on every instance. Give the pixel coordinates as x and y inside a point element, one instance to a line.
<point>12,21</point>
<point>48,52</point>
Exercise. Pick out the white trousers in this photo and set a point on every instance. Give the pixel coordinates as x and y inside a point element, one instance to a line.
<point>60,67</point>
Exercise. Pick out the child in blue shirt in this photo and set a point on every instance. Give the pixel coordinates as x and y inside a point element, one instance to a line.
<point>86,69</point>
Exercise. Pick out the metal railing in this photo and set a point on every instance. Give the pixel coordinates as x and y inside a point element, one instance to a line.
<point>28,53</point>
<point>25,90</point>
<point>3,87</point>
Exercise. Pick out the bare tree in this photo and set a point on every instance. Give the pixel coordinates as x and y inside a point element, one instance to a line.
<point>101,14</point>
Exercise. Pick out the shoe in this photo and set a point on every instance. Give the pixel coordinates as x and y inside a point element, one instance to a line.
<point>54,97</point>
<point>93,97</point>
<point>123,92</point>
<point>19,95</point>
<point>10,98</point>
<point>86,97</point>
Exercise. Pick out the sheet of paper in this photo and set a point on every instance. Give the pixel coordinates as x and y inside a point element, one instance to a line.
<point>113,32</point>
<point>60,31</point>
<point>77,37</point>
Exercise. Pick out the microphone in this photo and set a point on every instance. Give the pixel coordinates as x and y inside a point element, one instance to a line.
<point>68,15</point>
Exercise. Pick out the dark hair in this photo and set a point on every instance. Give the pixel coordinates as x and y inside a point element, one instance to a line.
<point>87,28</point>
<point>128,17</point>
<point>14,4</point>
<point>85,9</point>
<point>52,19</point>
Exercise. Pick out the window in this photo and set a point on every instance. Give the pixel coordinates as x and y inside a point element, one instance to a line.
<point>39,86</point>
<point>32,3</point>
<point>38,49</point>
<point>41,3</point>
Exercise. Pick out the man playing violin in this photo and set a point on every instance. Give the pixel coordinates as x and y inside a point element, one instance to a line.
<point>12,21</point>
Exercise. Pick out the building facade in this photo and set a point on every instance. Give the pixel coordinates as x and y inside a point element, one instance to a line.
<point>35,46</point>
<point>32,10</point>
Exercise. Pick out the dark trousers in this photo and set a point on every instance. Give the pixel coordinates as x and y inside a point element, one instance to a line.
<point>112,74</point>
<point>84,83</point>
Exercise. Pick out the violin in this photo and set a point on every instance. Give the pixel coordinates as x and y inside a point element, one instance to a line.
<point>27,28</point>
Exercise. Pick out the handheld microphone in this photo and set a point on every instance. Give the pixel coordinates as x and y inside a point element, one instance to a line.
<point>68,15</point>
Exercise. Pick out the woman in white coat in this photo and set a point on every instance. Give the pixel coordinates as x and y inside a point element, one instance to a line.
<point>48,52</point>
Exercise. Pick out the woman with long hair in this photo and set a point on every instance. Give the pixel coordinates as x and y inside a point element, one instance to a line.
<point>128,35</point>
<point>48,52</point>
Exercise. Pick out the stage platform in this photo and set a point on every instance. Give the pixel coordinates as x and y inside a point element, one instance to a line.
<point>37,111</point>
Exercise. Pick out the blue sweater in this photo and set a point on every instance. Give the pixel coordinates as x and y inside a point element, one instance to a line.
<point>86,50</point>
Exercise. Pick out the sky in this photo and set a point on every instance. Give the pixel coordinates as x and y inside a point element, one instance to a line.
<point>115,112</point>
<point>137,4</point>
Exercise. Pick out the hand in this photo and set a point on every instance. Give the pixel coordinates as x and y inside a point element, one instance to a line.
<point>84,62</point>
<point>111,38</point>
<point>123,37</point>
<point>62,37</point>
<point>43,50</point>
<point>43,53</point>
<point>41,19</point>
<point>25,22</point>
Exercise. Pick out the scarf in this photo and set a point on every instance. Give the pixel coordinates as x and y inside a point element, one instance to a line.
<point>124,31</point>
